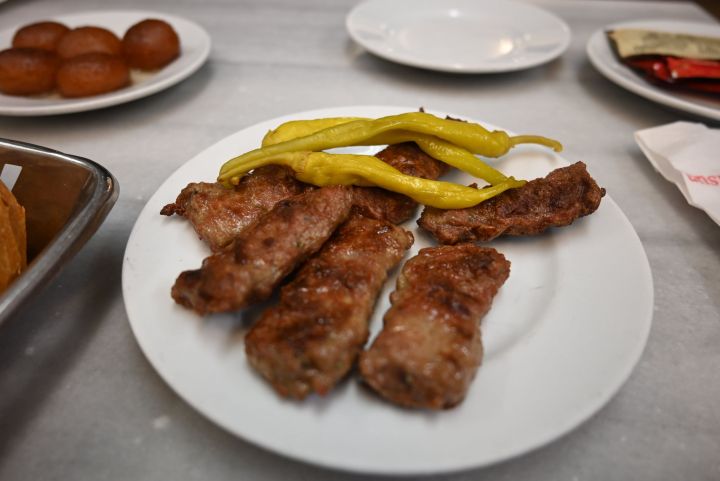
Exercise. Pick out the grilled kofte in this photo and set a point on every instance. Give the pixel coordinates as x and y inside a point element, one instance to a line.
<point>311,339</point>
<point>396,208</point>
<point>264,253</point>
<point>218,214</point>
<point>557,200</point>
<point>430,346</point>
<point>266,250</point>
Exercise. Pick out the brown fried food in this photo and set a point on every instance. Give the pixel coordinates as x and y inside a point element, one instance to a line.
<point>42,35</point>
<point>13,243</point>
<point>151,44</point>
<point>379,203</point>
<point>83,40</point>
<point>430,346</point>
<point>27,71</point>
<point>311,340</point>
<point>265,253</point>
<point>218,214</point>
<point>557,200</point>
<point>92,74</point>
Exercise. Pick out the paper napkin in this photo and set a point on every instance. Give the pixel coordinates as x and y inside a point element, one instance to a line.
<point>688,155</point>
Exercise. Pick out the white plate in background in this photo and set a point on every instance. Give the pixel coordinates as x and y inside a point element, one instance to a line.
<point>606,62</point>
<point>563,335</point>
<point>461,36</point>
<point>194,50</point>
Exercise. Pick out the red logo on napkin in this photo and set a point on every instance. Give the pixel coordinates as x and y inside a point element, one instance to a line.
<point>704,179</point>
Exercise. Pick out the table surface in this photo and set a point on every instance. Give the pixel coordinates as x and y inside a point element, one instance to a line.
<point>79,400</point>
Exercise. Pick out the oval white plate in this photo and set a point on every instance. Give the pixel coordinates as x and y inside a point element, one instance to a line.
<point>604,59</point>
<point>462,36</point>
<point>563,335</point>
<point>194,45</point>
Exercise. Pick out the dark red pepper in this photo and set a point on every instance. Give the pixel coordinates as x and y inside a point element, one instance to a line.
<point>684,73</point>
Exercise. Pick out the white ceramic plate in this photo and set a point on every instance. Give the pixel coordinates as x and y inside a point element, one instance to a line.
<point>194,45</point>
<point>563,335</point>
<point>604,59</point>
<point>462,36</point>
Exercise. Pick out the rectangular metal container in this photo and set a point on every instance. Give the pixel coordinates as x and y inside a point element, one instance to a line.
<point>66,198</point>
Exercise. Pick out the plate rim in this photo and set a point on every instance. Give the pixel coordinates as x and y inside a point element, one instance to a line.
<point>597,46</point>
<point>117,97</point>
<point>429,65</point>
<point>591,408</point>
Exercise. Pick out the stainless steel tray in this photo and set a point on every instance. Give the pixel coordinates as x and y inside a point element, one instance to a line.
<point>66,198</point>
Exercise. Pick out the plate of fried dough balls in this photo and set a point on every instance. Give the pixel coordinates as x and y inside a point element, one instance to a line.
<point>85,61</point>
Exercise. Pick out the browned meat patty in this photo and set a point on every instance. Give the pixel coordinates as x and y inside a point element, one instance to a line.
<point>264,253</point>
<point>377,203</point>
<point>397,208</point>
<point>410,160</point>
<point>430,346</point>
<point>554,201</point>
<point>311,339</point>
<point>219,214</point>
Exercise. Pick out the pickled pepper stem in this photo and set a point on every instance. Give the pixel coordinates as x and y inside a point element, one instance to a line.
<point>536,139</point>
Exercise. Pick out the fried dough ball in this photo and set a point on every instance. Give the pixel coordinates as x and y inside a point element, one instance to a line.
<point>82,40</point>
<point>27,71</point>
<point>43,35</point>
<point>92,74</point>
<point>151,44</point>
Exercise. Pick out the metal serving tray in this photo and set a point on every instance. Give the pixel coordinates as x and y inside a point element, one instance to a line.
<point>65,197</point>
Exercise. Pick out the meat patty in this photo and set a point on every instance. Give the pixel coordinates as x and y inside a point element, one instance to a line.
<point>557,200</point>
<point>264,253</point>
<point>409,159</point>
<point>219,214</point>
<point>430,346</point>
<point>397,208</point>
<point>311,339</point>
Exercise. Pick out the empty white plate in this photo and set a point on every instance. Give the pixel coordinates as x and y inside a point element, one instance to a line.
<point>462,36</point>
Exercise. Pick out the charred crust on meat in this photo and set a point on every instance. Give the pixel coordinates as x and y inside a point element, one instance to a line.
<point>556,200</point>
<point>431,334</point>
